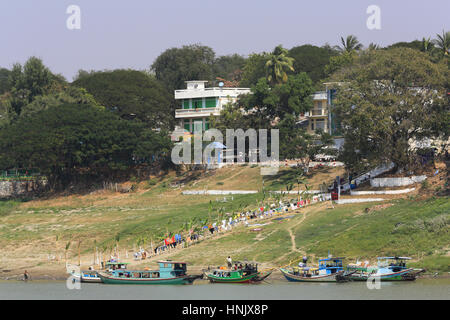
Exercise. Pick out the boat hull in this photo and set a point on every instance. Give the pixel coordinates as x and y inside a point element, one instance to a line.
<point>109,279</point>
<point>245,279</point>
<point>322,278</point>
<point>404,275</point>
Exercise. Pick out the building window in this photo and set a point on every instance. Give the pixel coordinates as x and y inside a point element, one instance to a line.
<point>319,104</point>
<point>312,124</point>
<point>210,102</point>
<point>187,125</point>
<point>186,104</point>
<point>320,124</point>
<point>197,103</point>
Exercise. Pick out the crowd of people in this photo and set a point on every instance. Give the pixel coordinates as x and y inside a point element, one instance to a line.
<point>174,241</point>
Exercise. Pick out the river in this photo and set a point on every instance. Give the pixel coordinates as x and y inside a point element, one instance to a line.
<point>275,290</point>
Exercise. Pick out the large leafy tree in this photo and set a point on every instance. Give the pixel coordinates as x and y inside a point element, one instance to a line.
<point>229,67</point>
<point>4,83</point>
<point>78,141</point>
<point>278,65</point>
<point>30,80</point>
<point>387,99</point>
<point>312,60</point>
<point>68,95</point>
<point>268,104</point>
<point>254,69</point>
<point>176,65</point>
<point>131,94</point>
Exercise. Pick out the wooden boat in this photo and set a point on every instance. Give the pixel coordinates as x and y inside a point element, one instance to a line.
<point>169,272</point>
<point>387,269</point>
<point>91,276</point>
<point>242,272</point>
<point>327,271</point>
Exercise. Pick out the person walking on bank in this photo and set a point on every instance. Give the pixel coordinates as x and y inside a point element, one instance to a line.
<point>229,262</point>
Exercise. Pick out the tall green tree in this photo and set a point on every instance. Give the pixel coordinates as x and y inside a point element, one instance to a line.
<point>229,67</point>
<point>131,94</point>
<point>78,142</point>
<point>312,60</point>
<point>388,99</point>
<point>30,80</point>
<point>278,65</point>
<point>254,69</point>
<point>176,65</point>
<point>350,44</point>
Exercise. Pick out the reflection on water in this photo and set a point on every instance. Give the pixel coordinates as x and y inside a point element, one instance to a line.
<point>277,290</point>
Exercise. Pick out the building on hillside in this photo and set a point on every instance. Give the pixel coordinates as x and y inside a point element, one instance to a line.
<point>197,103</point>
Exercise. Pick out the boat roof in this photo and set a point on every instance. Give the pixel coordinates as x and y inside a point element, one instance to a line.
<point>117,263</point>
<point>332,259</point>
<point>172,262</point>
<point>402,258</point>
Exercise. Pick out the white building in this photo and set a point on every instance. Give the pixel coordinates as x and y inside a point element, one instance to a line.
<point>197,103</point>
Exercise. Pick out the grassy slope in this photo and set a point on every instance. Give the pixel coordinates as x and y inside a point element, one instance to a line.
<point>28,230</point>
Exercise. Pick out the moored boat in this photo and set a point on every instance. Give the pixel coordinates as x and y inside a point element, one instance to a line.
<point>387,269</point>
<point>169,272</point>
<point>91,275</point>
<point>327,271</point>
<point>242,272</point>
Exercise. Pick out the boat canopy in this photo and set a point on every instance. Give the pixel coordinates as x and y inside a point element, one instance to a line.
<point>171,262</point>
<point>394,258</point>
<point>332,259</point>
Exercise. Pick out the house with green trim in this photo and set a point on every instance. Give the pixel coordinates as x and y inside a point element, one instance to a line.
<point>197,103</point>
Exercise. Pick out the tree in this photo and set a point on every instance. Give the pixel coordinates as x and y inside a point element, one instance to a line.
<point>229,67</point>
<point>31,80</point>
<point>4,83</point>
<point>312,60</point>
<point>254,69</point>
<point>388,99</point>
<point>69,95</point>
<point>443,42</point>
<point>131,94</point>
<point>176,65</point>
<point>297,143</point>
<point>340,61</point>
<point>267,104</point>
<point>278,64</point>
<point>427,45</point>
<point>350,44</point>
<point>78,143</point>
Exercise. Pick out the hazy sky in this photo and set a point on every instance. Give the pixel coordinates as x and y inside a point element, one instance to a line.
<point>131,34</point>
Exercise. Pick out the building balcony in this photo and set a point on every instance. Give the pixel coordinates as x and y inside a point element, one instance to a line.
<point>209,92</point>
<point>194,113</point>
<point>318,113</point>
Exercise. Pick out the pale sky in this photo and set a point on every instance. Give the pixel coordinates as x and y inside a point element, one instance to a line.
<point>131,34</point>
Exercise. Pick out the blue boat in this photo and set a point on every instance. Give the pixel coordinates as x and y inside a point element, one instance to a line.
<point>387,269</point>
<point>169,272</point>
<point>327,271</point>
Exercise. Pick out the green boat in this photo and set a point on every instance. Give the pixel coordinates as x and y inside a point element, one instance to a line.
<point>169,272</point>
<point>240,273</point>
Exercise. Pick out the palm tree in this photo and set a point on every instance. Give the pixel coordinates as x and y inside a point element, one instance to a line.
<point>350,44</point>
<point>373,46</point>
<point>278,65</point>
<point>443,42</point>
<point>427,45</point>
